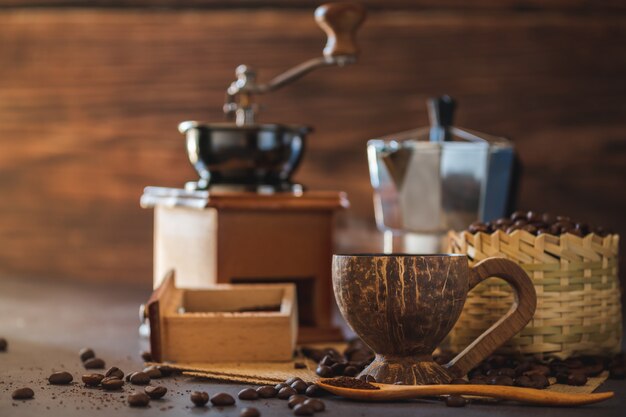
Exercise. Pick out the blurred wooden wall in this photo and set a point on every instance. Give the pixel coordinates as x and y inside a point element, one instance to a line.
<point>91,93</point>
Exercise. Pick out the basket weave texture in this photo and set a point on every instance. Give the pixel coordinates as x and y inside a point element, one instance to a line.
<point>578,295</point>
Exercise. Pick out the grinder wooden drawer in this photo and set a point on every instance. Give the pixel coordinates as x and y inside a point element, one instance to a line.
<point>245,322</point>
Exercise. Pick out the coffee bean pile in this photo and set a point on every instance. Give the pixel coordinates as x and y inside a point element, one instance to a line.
<point>503,370</point>
<point>300,397</point>
<point>537,224</point>
<point>530,372</point>
<point>331,362</point>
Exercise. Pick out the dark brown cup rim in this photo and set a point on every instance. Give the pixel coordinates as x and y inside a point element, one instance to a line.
<point>388,255</point>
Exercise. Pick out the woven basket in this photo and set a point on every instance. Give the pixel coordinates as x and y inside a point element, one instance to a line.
<point>578,296</point>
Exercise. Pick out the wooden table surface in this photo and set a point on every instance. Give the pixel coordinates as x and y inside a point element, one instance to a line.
<point>47,322</point>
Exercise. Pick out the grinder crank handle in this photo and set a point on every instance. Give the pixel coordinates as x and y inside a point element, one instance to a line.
<point>340,21</point>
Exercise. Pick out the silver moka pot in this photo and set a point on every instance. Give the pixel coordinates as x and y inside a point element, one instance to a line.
<point>430,180</point>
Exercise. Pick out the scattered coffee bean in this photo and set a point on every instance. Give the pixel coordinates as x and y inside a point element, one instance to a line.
<point>318,405</point>
<point>94,363</point>
<point>338,368</point>
<point>351,371</point>
<point>296,399</point>
<point>324,371</point>
<point>146,356</point>
<point>86,353</point>
<point>222,399</point>
<point>299,365</point>
<point>577,379</point>
<point>286,392</point>
<point>129,375</point>
<point>139,378</point>
<point>280,386</point>
<point>292,380</point>
<point>199,398</point>
<point>111,383</point>
<point>23,394</point>
<point>327,361</point>
<point>138,399</point>
<point>60,378</point>
<point>167,370</point>
<point>300,386</point>
<point>456,401</point>
<point>92,380</point>
<point>314,391</point>
<point>3,344</point>
<point>303,410</point>
<point>116,372</point>
<point>267,391</point>
<point>248,394</point>
<point>155,391</point>
<point>152,372</point>
<point>249,412</point>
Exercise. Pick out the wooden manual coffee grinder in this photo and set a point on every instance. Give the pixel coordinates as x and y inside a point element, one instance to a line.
<point>245,220</point>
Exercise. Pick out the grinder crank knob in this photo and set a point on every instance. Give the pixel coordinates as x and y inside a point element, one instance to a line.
<point>340,21</point>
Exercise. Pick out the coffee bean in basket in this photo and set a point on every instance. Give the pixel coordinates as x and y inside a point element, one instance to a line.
<point>537,224</point>
<point>94,363</point>
<point>155,391</point>
<point>23,394</point>
<point>222,399</point>
<point>139,378</point>
<point>3,344</point>
<point>60,378</point>
<point>92,380</point>
<point>86,353</point>
<point>267,391</point>
<point>138,399</point>
<point>248,394</point>
<point>112,383</point>
<point>114,371</point>
<point>249,412</point>
<point>199,398</point>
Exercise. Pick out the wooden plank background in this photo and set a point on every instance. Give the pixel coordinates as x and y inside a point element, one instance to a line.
<point>90,98</point>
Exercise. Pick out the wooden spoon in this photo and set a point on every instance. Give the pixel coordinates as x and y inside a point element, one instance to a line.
<point>527,395</point>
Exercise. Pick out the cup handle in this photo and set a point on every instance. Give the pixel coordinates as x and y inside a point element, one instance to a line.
<point>521,312</point>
